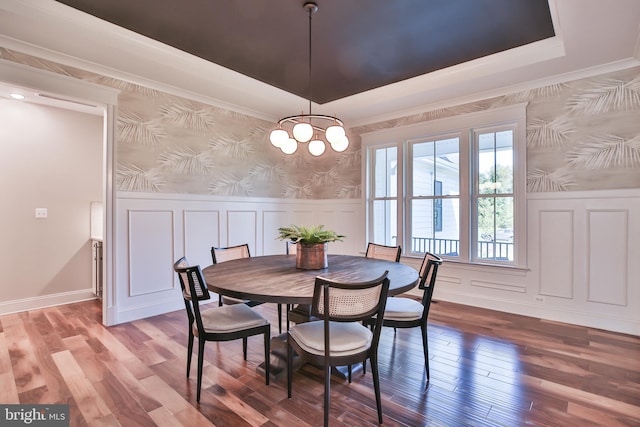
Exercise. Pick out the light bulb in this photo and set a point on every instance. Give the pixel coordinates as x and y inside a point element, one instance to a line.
<point>341,144</point>
<point>316,147</point>
<point>278,137</point>
<point>334,133</point>
<point>303,132</point>
<point>290,146</point>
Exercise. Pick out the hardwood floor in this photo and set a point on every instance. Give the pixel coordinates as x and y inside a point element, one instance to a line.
<point>487,369</point>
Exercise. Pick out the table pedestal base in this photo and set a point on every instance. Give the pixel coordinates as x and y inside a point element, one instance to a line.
<point>278,361</point>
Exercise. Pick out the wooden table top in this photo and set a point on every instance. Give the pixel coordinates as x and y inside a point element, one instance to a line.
<point>276,279</point>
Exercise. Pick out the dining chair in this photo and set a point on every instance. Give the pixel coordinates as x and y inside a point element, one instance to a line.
<point>389,253</point>
<point>292,248</point>
<point>236,252</point>
<point>338,338</point>
<point>227,254</point>
<point>402,312</point>
<point>226,323</point>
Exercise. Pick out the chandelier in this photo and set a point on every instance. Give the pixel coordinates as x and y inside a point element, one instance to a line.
<point>309,128</point>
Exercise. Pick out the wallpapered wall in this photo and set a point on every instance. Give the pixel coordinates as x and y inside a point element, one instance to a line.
<point>581,135</point>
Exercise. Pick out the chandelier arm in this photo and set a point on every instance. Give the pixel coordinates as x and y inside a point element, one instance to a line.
<point>299,118</point>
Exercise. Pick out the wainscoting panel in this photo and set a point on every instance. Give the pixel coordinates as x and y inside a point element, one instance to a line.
<point>608,259</point>
<point>201,232</point>
<point>556,253</point>
<point>271,221</point>
<point>340,221</point>
<point>590,233</point>
<point>151,237</point>
<point>156,229</point>
<point>242,228</point>
<point>496,285</point>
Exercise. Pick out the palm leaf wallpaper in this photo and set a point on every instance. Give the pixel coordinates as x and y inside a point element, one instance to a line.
<point>581,135</point>
<point>606,152</point>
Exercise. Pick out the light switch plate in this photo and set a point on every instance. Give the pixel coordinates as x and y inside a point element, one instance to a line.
<point>41,213</point>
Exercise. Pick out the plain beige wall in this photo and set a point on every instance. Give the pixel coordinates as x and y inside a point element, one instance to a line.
<point>49,158</point>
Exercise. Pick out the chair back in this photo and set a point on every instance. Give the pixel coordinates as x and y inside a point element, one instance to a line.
<point>350,302</point>
<point>388,253</point>
<point>230,253</point>
<point>428,273</point>
<point>194,290</point>
<point>178,267</point>
<point>181,263</point>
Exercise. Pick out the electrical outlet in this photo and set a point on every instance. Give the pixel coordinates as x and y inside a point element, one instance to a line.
<point>42,213</point>
<point>539,298</point>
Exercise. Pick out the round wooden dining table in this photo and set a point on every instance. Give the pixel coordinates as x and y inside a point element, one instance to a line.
<point>275,278</point>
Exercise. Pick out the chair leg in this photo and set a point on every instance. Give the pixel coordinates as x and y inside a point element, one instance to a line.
<point>376,386</point>
<point>189,351</point>
<point>349,373</point>
<point>425,347</point>
<point>289,366</point>
<point>289,307</point>
<point>327,393</point>
<point>279,318</point>
<point>200,363</point>
<point>267,356</point>
<point>244,347</point>
<point>219,300</point>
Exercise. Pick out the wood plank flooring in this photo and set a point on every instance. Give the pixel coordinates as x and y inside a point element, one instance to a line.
<point>487,369</point>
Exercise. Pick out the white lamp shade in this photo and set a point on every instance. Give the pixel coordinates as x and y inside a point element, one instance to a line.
<point>341,144</point>
<point>334,133</point>
<point>278,137</point>
<point>290,146</point>
<point>303,132</point>
<point>316,147</point>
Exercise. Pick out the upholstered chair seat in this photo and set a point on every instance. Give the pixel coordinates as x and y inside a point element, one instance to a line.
<point>346,338</point>
<point>403,309</point>
<point>229,318</point>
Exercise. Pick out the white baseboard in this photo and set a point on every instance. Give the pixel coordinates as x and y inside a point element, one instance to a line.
<point>558,314</point>
<point>38,302</point>
<point>141,312</point>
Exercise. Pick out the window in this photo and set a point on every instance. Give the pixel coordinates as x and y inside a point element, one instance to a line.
<point>384,206</point>
<point>434,195</point>
<point>493,195</point>
<point>454,187</point>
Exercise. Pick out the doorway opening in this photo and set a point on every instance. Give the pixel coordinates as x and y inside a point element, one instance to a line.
<point>58,190</point>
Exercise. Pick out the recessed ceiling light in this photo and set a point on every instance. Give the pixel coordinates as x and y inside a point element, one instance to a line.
<point>16,95</point>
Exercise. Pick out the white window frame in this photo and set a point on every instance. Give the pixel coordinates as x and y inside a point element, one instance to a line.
<point>464,125</point>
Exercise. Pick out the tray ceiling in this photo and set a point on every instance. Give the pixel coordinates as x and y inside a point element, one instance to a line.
<point>356,45</point>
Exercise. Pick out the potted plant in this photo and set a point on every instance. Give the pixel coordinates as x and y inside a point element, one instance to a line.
<point>311,244</point>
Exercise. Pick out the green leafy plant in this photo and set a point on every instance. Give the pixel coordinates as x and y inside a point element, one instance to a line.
<point>308,235</point>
